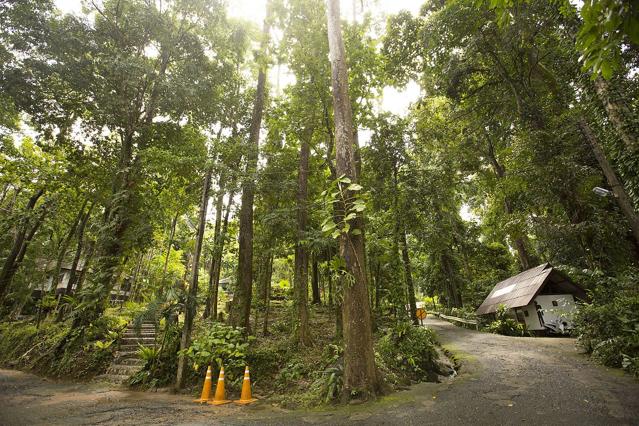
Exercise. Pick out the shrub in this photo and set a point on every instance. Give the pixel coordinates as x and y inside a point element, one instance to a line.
<point>85,355</point>
<point>608,327</point>
<point>220,344</point>
<point>504,324</point>
<point>409,352</point>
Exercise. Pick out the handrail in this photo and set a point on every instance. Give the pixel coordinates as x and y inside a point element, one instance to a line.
<point>457,319</point>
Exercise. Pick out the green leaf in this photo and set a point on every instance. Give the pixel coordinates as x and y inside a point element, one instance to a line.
<point>328,227</point>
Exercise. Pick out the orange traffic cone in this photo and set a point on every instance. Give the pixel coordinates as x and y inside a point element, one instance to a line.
<point>220,393</point>
<point>246,398</point>
<point>206,389</point>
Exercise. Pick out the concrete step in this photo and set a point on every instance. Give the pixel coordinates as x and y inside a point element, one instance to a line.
<point>113,378</point>
<point>125,355</point>
<point>142,332</point>
<point>129,333</point>
<point>146,341</point>
<point>124,370</point>
<point>130,347</point>
<point>129,361</point>
<point>149,328</point>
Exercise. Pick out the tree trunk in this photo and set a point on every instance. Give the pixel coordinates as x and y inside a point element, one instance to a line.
<point>76,261</point>
<point>209,299</point>
<point>5,191</point>
<point>136,275</point>
<point>241,311</point>
<point>410,288</point>
<point>329,278</point>
<point>219,205</point>
<point>168,248</point>
<point>217,267</point>
<point>30,235</point>
<point>360,374</point>
<point>11,265</point>
<point>520,243</point>
<point>619,114</point>
<point>267,298</point>
<point>621,197</point>
<point>315,282</point>
<point>378,287</point>
<point>454,298</point>
<point>303,336</point>
<point>65,244</point>
<point>191,298</point>
<point>78,251</point>
<point>87,264</point>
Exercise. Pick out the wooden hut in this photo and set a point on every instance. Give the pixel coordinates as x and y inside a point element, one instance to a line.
<point>542,298</point>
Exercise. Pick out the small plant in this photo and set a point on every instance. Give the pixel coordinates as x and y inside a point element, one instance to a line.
<point>220,344</point>
<point>334,382</point>
<point>103,345</point>
<point>504,324</point>
<point>111,336</point>
<point>148,354</point>
<point>409,351</point>
<point>347,195</point>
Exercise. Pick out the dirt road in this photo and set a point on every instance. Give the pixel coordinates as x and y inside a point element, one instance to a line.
<point>503,380</point>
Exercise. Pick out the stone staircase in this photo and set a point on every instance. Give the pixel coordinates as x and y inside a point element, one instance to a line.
<point>126,361</point>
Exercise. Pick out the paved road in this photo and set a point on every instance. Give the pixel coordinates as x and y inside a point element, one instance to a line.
<point>503,380</point>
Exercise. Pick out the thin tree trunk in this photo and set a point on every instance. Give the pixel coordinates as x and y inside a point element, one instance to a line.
<point>11,264</point>
<point>520,243</point>
<point>191,299</point>
<point>267,304</point>
<point>209,299</point>
<point>619,114</point>
<point>87,264</point>
<point>621,197</point>
<point>360,374</point>
<point>30,235</point>
<point>65,244</point>
<point>315,282</point>
<point>136,275</point>
<point>301,252</point>
<point>241,310</point>
<point>408,278</point>
<point>168,248</point>
<point>329,278</point>
<point>454,298</point>
<point>5,191</point>
<point>217,268</point>
<point>76,262</point>
<point>219,206</point>
<point>78,251</point>
<point>378,287</point>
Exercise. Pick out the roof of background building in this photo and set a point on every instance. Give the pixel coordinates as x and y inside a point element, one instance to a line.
<point>519,290</point>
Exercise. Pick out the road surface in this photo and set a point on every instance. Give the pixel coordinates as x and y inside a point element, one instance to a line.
<point>503,380</point>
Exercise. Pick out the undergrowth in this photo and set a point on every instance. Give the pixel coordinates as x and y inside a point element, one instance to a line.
<point>608,327</point>
<point>27,347</point>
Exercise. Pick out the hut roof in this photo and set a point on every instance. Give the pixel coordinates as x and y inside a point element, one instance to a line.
<point>519,290</point>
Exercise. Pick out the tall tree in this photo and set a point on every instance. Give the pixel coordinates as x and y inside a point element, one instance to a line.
<point>360,374</point>
<point>301,246</point>
<point>241,309</point>
<point>190,306</point>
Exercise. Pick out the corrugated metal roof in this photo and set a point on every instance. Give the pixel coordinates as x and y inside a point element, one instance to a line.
<point>516,291</point>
